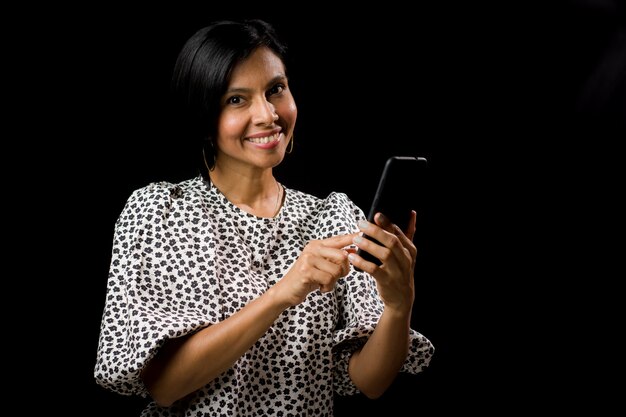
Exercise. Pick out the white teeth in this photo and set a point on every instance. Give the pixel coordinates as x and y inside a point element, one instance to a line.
<point>265,139</point>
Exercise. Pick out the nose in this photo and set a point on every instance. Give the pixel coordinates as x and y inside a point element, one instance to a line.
<point>264,113</point>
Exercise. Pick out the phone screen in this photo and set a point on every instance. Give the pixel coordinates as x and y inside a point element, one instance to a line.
<point>397,193</point>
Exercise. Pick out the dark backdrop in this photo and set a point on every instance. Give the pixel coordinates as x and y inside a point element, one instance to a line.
<point>514,106</point>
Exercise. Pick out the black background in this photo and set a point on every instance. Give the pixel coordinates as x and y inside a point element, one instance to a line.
<point>519,109</point>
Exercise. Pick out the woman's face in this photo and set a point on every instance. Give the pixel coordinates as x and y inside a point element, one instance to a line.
<point>258,113</point>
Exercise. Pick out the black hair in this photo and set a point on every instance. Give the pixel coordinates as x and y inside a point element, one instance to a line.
<point>203,69</point>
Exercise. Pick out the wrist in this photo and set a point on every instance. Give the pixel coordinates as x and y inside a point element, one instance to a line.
<point>399,312</point>
<point>275,302</point>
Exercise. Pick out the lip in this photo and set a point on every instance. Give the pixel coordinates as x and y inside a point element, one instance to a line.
<point>264,134</point>
<point>268,145</point>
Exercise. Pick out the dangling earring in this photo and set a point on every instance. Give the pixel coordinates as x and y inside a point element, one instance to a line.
<point>206,164</point>
<point>290,145</point>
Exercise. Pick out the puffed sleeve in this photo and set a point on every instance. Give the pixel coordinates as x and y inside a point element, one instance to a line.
<point>160,284</point>
<point>360,306</point>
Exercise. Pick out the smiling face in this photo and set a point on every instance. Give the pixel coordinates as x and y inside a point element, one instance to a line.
<point>258,113</point>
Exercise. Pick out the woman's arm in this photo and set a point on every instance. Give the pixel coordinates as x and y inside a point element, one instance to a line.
<point>375,366</point>
<point>186,364</point>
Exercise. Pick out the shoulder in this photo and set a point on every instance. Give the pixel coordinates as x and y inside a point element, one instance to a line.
<point>164,190</point>
<point>158,197</point>
<point>334,199</point>
<point>336,213</point>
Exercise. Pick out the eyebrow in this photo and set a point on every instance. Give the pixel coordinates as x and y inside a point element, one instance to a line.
<point>271,82</point>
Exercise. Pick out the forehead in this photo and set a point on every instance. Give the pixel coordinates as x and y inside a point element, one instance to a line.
<point>261,63</point>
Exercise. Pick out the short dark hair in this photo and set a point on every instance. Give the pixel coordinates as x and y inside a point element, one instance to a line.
<point>203,69</point>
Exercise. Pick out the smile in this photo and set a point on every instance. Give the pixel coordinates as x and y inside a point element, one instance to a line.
<point>266,139</point>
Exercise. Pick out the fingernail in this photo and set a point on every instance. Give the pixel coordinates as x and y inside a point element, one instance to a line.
<point>351,257</point>
<point>357,239</point>
<point>363,224</point>
<point>383,219</point>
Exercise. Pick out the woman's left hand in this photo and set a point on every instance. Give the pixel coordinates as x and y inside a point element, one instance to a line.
<point>394,277</point>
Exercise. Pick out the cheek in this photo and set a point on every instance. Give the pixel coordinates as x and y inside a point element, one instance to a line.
<point>231,125</point>
<point>288,111</point>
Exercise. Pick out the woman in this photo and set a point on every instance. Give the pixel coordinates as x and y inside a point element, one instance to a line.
<point>230,294</point>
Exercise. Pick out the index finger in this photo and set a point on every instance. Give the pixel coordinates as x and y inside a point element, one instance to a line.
<point>410,231</point>
<point>339,241</point>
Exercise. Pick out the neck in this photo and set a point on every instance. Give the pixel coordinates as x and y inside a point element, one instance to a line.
<point>257,193</point>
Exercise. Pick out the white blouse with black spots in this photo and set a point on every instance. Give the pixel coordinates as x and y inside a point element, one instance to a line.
<point>184,258</point>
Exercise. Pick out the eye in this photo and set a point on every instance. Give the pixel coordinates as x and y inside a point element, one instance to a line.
<point>276,89</point>
<point>234,100</point>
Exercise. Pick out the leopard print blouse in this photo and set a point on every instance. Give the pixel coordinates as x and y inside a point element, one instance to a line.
<point>184,257</point>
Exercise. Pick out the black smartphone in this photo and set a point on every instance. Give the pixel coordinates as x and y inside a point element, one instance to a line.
<point>397,193</point>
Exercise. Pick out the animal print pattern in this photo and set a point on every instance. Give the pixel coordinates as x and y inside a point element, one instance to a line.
<point>184,258</point>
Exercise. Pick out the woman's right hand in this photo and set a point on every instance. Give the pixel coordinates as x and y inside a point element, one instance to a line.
<point>320,265</point>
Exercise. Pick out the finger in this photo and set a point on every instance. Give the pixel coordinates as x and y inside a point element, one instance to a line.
<point>391,243</point>
<point>410,232</point>
<point>386,224</point>
<point>362,264</point>
<point>374,249</point>
<point>383,221</point>
<point>401,246</point>
<point>327,273</point>
<point>331,271</point>
<point>407,236</point>
<point>339,241</point>
<point>327,288</point>
<point>376,231</point>
<point>336,256</point>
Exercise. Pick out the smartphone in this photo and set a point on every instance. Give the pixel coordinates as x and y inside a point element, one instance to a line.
<point>397,193</point>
